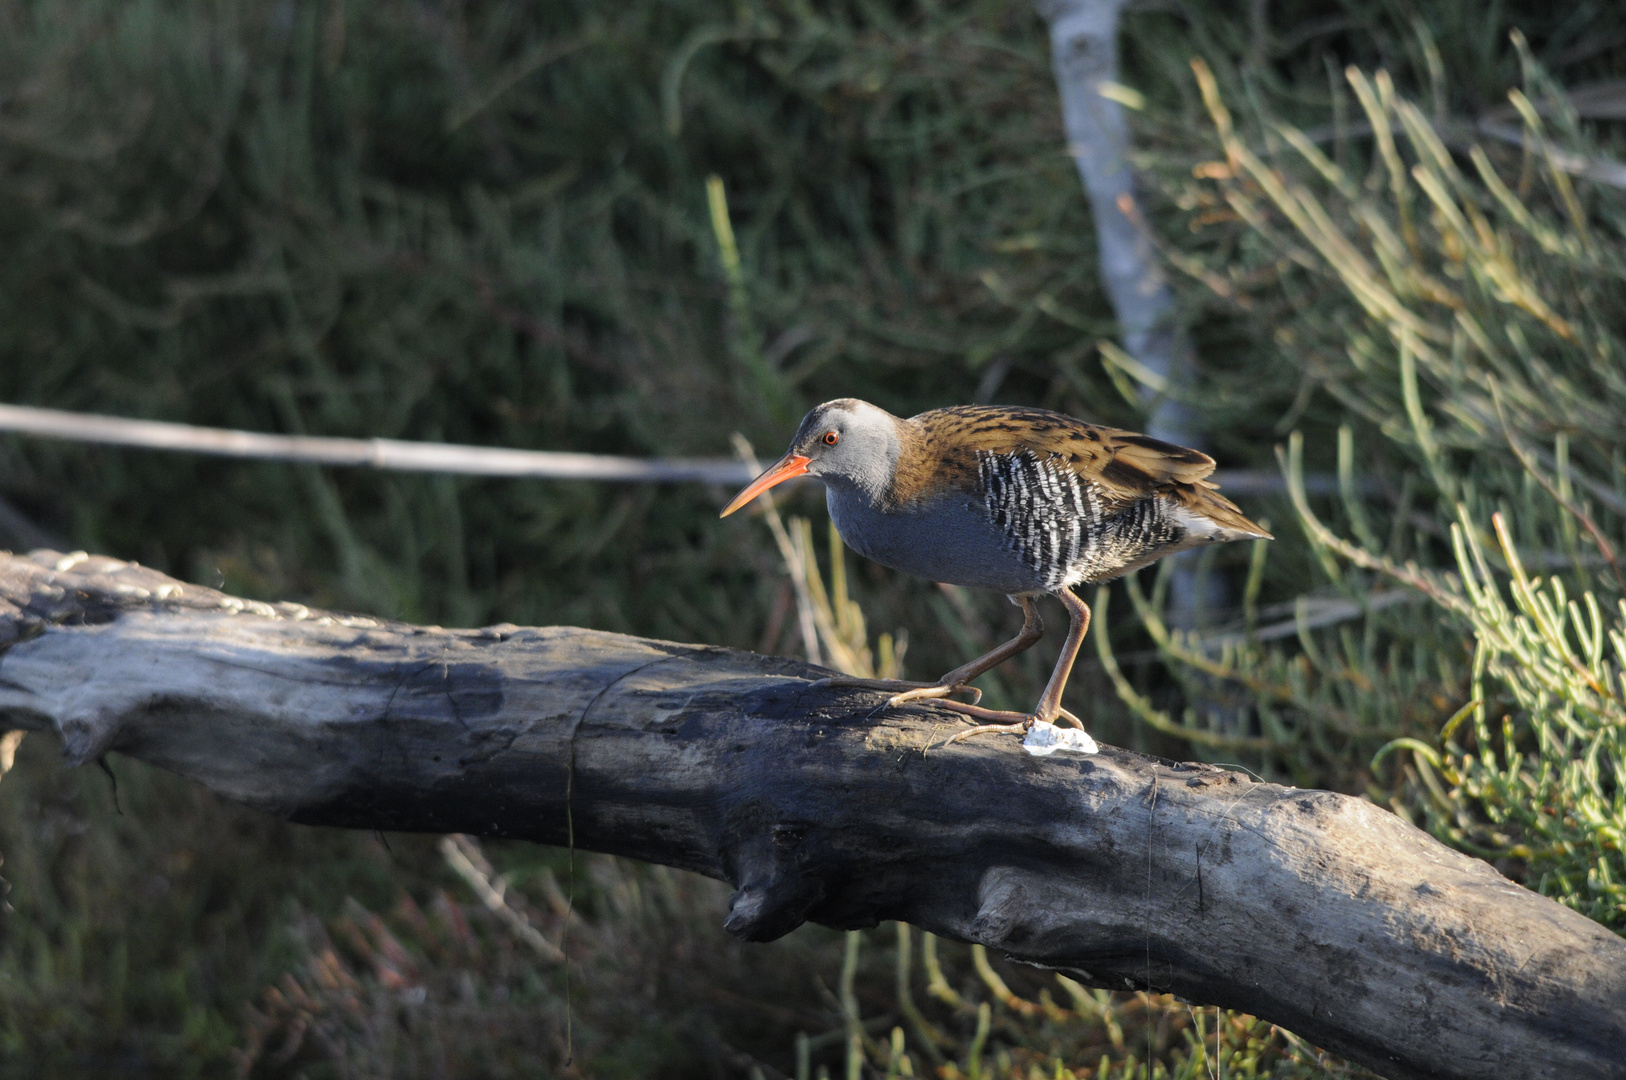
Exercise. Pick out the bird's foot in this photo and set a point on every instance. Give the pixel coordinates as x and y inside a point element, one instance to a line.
<point>1015,723</point>
<point>903,690</point>
<point>977,712</point>
<point>1000,721</point>
<point>1063,714</point>
<point>938,692</point>
<point>1020,728</point>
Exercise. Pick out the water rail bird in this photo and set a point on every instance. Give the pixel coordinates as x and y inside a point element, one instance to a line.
<point>1024,501</point>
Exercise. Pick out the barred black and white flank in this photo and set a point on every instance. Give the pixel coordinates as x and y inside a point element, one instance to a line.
<point>1057,522</point>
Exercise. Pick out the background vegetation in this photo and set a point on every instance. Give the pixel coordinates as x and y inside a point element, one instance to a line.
<point>489,222</point>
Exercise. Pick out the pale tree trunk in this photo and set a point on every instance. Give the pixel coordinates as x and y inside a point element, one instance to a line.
<point>1084,58</point>
<point>1319,912</point>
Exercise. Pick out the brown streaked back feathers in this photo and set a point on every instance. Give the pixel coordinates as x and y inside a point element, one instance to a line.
<point>1123,465</point>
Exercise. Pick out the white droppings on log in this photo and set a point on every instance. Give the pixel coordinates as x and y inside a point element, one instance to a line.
<point>1045,738</point>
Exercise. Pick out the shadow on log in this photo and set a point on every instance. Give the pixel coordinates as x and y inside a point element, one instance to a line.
<point>1317,911</point>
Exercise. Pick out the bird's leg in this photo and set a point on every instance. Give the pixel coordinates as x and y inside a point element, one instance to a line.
<point>1049,708</point>
<point>955,681</point>
<point>1079,613</point>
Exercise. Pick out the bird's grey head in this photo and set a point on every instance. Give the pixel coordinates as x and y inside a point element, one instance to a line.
<point>846,443</point>
<point>850,442</point>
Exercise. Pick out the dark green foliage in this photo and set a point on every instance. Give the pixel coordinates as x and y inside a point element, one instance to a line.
<point>477,226</point>
<point>129,941</point>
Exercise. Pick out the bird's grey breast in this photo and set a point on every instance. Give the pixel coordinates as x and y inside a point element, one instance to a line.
<point>949,537</point>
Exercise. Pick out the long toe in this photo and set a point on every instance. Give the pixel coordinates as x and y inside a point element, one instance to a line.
<point>935,691</point>
<point>1063,714</point>
<point>851,682</point>
<point>990,729</point>
<point>977,712</point>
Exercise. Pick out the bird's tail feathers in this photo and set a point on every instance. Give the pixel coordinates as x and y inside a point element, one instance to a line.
<point>1210,514</point>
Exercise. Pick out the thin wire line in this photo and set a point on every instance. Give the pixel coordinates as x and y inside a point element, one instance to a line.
<point>391,454</point>
<point>400,455</point>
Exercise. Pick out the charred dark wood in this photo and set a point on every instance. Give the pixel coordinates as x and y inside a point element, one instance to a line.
<point>1320,912</point>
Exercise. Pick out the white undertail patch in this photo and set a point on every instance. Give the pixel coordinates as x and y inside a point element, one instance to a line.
<point>1206,529</point>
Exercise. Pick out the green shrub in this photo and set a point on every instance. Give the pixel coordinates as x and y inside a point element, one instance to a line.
<point>1470,324</point>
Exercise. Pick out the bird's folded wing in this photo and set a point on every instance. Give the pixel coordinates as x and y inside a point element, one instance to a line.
<point>1126,466</point>
<point>1122,466</point>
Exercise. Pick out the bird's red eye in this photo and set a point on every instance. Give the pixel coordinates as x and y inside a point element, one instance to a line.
<point>831,438</point>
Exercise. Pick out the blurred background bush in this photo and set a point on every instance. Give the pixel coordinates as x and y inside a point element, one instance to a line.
<point>1395,229</point>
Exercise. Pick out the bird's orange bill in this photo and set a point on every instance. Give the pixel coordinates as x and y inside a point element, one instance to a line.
<point>786,468</point>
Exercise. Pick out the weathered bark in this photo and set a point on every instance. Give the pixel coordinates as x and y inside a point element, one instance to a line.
<point>1320,912</point>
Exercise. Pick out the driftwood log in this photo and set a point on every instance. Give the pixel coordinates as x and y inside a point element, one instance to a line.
<point>1319,912</point>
